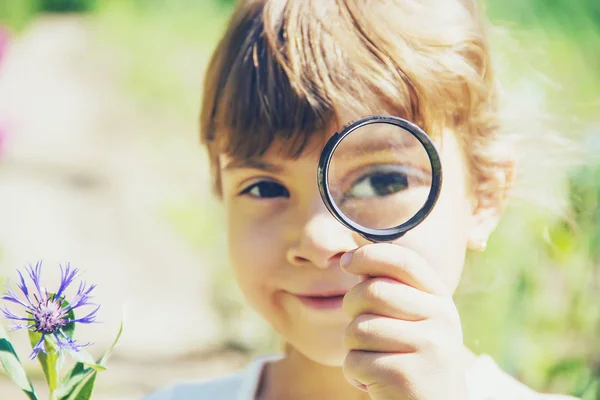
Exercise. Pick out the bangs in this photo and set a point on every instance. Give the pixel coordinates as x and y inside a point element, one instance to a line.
<point>257,102</point>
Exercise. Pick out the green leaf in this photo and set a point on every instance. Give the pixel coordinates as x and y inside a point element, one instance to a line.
<point>82,377</point>
<point>108,352</point>
<point>85,358</point>
<point>77,374</point>
<point>12,365</point>
<point>80,381</point>
<point>48,360</point>
<point>83,390</point>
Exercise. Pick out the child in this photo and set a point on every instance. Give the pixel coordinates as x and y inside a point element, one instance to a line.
<point>284,78</point>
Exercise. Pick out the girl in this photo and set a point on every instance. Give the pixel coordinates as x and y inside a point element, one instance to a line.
<point>285,77</point>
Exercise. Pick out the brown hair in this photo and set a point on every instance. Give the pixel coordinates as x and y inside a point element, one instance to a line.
<point>285,70</point>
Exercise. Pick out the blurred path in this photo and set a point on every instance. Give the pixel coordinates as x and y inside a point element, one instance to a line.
<point>77,183</point>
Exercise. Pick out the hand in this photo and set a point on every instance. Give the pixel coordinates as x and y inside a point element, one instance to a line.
<point>405,340</point>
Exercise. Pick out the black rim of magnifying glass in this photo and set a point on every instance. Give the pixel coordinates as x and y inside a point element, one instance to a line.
<point>388,234</point>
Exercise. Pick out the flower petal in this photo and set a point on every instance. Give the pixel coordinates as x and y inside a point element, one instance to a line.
<point>67,277</point>
<point>82,297</point>
<point>23,287</point>
<point>17,327</point>
<point>9,315</point>
<point>38,347</point>
<point>88,319</point>
<point>35,275</point>
<point>68,343</point>
<point>12,296</point>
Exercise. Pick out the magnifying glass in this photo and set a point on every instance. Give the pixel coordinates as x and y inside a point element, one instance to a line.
<point>380,177</point>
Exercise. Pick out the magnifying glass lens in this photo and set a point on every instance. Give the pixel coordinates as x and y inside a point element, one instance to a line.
<point>380,176</point>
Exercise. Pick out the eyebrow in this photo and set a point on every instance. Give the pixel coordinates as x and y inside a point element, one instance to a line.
<point>252,163</point>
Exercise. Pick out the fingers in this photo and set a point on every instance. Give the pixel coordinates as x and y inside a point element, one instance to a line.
<point>370,332</point>
<point>368,370</point>
<point>395,262</point>
<point>405,376</point>
<point>389,298</point>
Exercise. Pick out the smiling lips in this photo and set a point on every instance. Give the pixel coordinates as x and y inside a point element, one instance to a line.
<point>323,301</point>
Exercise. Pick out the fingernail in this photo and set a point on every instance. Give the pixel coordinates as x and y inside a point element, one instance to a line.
<point>346,259</point>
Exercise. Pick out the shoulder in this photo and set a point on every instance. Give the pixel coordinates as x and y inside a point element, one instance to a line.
<point>487,381</point>
<point>238,385</point>
<point>220,388</point>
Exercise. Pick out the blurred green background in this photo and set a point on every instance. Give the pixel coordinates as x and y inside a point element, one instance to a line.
<point>532,300</point>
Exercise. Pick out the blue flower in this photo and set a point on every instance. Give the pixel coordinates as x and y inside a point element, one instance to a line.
<point>50,314</point>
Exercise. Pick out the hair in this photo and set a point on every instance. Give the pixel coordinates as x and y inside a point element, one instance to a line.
<point>285,71</point>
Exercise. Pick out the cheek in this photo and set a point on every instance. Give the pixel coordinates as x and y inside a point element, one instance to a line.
<point>447,228</point>
<point>442,237</point>
<point>254,252</point>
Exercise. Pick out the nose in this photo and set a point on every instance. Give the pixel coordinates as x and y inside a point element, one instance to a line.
<point>319,240</point>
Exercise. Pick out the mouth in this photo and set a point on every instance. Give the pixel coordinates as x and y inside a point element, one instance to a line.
<point>322,302</point>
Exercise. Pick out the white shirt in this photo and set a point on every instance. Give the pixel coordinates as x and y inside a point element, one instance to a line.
<point>486,381</point>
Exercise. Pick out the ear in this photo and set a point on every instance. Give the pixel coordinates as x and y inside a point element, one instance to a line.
<point>490,198</point>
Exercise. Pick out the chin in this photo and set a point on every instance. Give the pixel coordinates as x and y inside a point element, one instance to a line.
<point>323,353</point>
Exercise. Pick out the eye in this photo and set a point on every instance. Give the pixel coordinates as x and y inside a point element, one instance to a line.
<point>379,184</point>
<point>266,190</point>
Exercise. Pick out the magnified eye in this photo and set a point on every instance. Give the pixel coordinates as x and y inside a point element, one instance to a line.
<point>379,184</point>
<point>380,176</point>
<point>266,189</point>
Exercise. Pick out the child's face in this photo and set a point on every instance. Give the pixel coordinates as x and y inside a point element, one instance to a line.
<point>283,243</point>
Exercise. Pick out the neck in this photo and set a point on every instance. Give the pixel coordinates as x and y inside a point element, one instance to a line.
<point>296,377</point>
